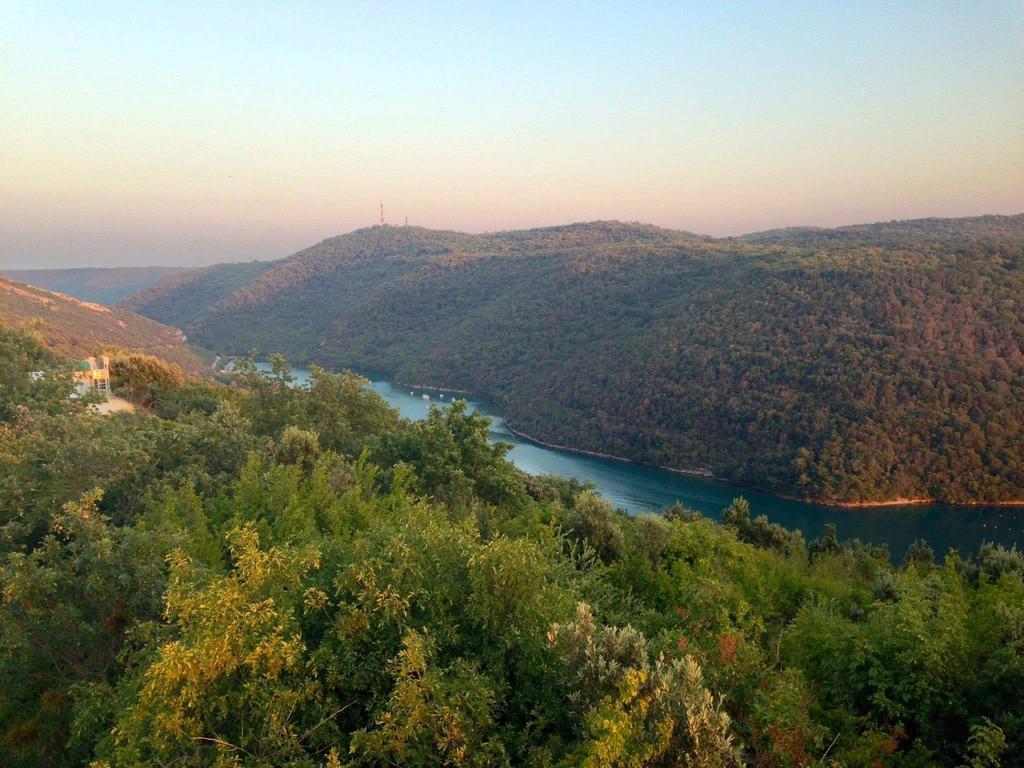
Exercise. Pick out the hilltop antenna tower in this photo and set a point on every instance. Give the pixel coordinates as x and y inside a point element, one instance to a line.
<point>382,214</point>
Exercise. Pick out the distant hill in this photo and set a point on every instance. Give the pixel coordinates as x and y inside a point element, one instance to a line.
<point>78,328</point>
<point>182,297</point>
<point>101,285</point>
<point>859,364</point>
<point>947,233</point>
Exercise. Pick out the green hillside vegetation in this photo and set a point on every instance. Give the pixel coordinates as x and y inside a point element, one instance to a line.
<point>77,328</point>
<point>101,285</point>
<point>182,297</point>
<point>262,575</point>
<point>860,364</point>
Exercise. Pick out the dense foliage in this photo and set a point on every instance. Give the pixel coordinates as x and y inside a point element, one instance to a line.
<point>859,364</point>
<point>265,575</point>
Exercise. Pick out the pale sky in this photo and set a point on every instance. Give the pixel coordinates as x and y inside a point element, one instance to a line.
<point>189,133</point>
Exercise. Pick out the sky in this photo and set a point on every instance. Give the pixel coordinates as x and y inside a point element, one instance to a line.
<point>191,133</point>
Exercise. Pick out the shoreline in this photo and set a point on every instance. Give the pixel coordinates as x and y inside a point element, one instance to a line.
<point>432,388</point>
<point>708,475</point>
<point>705,473</point>
<point>921,503</point>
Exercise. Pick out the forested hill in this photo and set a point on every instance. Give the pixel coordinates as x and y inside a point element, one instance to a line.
<point>78,328</point>
<point>186,295</point>
<point>858,364</point>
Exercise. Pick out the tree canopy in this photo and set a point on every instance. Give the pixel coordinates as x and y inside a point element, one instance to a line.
<point>264,574</point>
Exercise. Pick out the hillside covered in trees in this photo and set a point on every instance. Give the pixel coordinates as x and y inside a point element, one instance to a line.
<point>857,364</point>
<point>262,575</point>
<point>72,327</point>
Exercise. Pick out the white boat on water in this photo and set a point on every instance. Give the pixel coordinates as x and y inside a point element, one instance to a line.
<point>425,397</point>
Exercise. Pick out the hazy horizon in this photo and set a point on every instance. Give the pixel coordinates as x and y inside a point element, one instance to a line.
<point>5,269</point>
<point>192,135</point>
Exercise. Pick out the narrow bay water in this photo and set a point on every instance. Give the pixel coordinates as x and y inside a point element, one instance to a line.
<point>638,488</point>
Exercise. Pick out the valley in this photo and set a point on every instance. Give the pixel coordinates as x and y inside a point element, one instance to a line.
<point>512,385</point>
<point>103,285</point>
<point>860,365</point>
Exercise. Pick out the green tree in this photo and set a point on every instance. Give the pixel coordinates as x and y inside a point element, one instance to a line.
<point>637,712</point>
<point>433,716</point>
<point>453,459</point>
<point>232,684</point>
<point>67,611</point>
<point>592,520</point>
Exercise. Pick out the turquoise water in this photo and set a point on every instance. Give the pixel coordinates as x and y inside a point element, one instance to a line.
<point>639,488</point>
